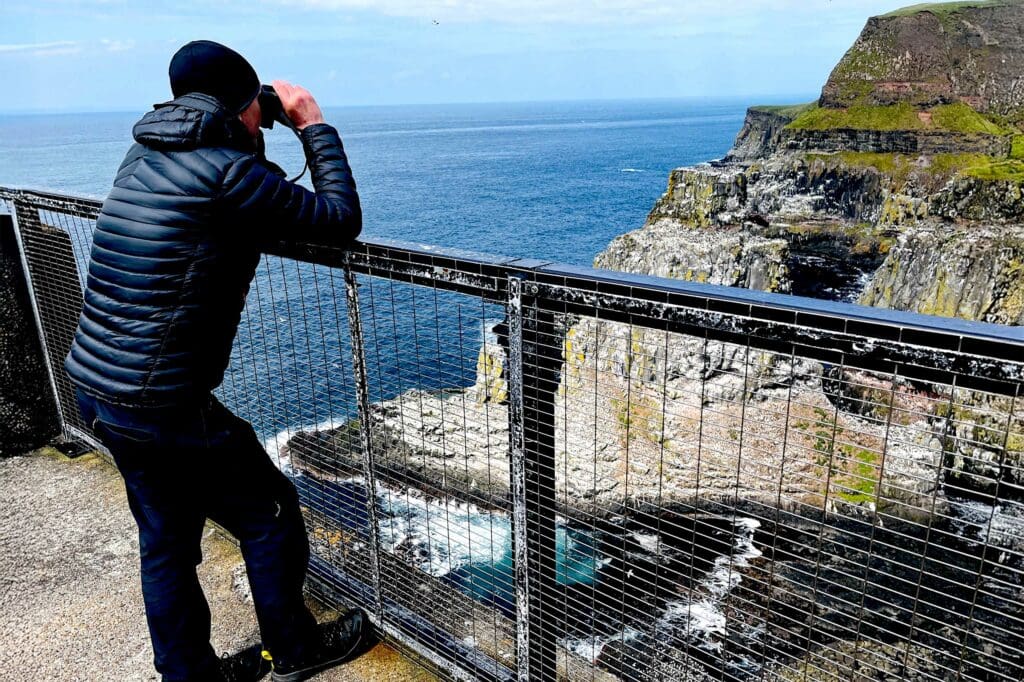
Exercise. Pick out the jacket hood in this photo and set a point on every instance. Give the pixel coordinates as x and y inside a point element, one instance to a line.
<point>190,122</point>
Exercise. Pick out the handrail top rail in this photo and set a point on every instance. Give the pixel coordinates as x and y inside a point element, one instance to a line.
<point>929,329</point>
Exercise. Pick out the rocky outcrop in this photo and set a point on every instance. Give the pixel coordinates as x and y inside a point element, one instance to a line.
<point>975,273</point>
<point>761,132</point>
<point>733,257</point>
<point>703,196</point>
<point>946,52</point>
<point>916,140</point>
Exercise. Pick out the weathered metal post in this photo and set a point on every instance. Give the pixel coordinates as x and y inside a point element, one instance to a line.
<point>29,414</point>
<point>534,364</point>
<point>517,452</point>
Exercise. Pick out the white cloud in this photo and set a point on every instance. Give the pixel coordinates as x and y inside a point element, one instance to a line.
<point>41,49</point>
<point>117,45</point>
<point>65,47</point>
<point>583,11</point>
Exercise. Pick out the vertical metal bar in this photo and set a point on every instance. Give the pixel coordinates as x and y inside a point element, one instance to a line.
<point>362,393</point>
<point>20,209</point>
<point>517,453</point>
<point>540,363</point>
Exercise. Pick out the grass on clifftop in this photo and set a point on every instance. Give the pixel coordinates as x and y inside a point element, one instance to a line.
<point>900,167</point>
<point>942,9</point>
<point>789,111</point>
<point>1011,170</point>
<point>958,118</point>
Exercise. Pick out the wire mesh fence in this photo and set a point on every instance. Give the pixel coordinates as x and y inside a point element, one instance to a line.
<point>531,471</point>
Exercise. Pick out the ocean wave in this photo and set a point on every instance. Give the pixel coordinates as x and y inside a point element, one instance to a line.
<point>440,536</point>
<point>700,620</point>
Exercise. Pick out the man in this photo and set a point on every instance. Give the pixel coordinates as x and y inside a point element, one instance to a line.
<point>175,249</point>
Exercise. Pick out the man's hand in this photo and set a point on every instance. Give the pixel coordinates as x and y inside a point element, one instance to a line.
<point>299,104</point>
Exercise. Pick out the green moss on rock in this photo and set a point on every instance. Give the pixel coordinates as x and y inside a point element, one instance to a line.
<point>1017,150</point>
<point>789,111</point>
<point>943,9</point>
<point>1009,170</point>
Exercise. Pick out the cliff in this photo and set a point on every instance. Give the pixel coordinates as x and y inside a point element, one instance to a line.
<point>906,177</point>
<point>916,145</point>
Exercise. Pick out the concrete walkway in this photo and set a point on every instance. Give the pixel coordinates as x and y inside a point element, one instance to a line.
<point>70,604</point>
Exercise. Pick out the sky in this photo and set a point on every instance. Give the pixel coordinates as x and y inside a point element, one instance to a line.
<point>112,55</point>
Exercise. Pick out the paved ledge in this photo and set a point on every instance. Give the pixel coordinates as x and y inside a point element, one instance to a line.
<point>70,605</point>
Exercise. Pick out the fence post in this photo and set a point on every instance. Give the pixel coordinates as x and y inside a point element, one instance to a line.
<point>355,328</point>
<point>514,314</point>
<point>534,366</point>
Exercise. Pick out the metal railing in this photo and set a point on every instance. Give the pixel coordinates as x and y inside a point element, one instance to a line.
<point>532,471</point>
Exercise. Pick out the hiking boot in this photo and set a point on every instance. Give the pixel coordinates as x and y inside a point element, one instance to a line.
<point>248,665</point>
<point>339,641</point>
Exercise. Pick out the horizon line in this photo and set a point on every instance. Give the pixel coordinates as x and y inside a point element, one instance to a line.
<point>667,98</point>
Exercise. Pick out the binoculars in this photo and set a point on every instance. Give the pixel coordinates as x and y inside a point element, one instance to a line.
<point>271,109</point>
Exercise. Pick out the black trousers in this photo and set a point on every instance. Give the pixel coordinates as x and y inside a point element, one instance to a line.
<point>182,466</point>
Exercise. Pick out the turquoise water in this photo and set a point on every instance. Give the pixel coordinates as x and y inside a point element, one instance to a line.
<point>617,578</point>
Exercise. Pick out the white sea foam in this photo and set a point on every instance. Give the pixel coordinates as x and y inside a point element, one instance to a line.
<point>700,620</point>
<point>724,576</point>
<point>651,542</point>
<point>440,536</point>
<point>632,170</point>
<point>590,648</point>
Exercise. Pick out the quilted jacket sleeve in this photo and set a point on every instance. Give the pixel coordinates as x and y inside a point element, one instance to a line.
<point>279,209</point>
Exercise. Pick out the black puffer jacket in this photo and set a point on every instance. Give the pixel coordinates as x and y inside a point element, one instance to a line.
<point>177,244</point>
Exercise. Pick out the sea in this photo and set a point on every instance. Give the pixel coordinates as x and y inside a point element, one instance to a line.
<point>553,180</point>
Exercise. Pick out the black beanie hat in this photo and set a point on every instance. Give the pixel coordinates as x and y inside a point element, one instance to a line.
<point>215,70</point>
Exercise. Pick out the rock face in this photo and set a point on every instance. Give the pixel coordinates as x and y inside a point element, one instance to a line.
<point>731,257</point>
<point>950,52</point>
<point>976,274</point>
<point>28,415</point>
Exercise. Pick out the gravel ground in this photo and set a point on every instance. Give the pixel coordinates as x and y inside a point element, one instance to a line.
<point>70,605</point>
